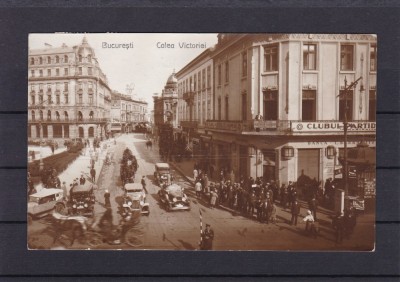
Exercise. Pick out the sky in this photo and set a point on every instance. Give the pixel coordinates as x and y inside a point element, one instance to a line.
<point>145,66</point>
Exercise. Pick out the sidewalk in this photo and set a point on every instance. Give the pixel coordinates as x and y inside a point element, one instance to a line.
<point>363,233</point>
<point>82,165</point>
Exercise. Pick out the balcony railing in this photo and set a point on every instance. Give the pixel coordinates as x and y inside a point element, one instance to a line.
<point>189,124</point>
<point>70,120</point>
<point>290,126</point>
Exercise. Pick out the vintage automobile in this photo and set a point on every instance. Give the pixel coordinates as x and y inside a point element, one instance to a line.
<point>173,198</point>
<point>135,198</point>
<point>162,174</point>
<point>81,201</point>
<point>43,202</point>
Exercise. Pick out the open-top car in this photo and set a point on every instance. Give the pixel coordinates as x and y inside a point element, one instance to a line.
<point>162,174</point>
<point>135,198</point>
<point>43,202</point>
<point>81,201</point>
<point>174,198</point>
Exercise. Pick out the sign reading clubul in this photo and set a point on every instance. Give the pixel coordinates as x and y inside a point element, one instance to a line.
<point>181,45</point>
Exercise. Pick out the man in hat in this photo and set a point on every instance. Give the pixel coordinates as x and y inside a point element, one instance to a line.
<point>143,182</point>
<point>207,238</point>
<point>295,211</point>
<point>82,180</point>
<point>93,174</point>
<point>107,201</point>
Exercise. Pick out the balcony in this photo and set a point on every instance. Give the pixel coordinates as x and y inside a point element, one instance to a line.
<point>189,124</point>
<point>292,127</point>
<point>70,120</point>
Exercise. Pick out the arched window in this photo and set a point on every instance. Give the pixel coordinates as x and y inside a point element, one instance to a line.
<point>49,60</point>
<point>48,115</point>
<point>89,58</point>
<point>32,61</point>
<point>57,116</point>
<point>66,115</point>
<point>41,115</point>
<point>33,115</point>
<point>57,59</point>
<point>80,116</point>
<point>91,114</point>
<point>65,59</point>
<point>40,61</point>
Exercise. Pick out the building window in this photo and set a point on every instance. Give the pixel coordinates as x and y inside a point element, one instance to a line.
<point>49,60</point>
<point>57,115</point>
<point>41,115</point>
<point>372,57</point>
<point>65,59</point>
<point>40,61</point>
<point>57,72</point>
<point>32,73</point>
<point>48,115</point>
<point>271,105</point>
<point>65,86</point>
<point>40,99</point>
<point>342,105</point>
<point>48,87</point>
<point>89,58</point>
<point>309,56</point>
<point>65,71</point>
<point>32,61</point>
<point>41,87</point>
<point>49,99</point>
<point>372,106</point>
<point>219,108</point>
<point>58,99</point>
<point>90,86</point>
<point>33,99</point>
<point>226,108</point>
<point>208,77</point>
<point>57,59</point>
<point>80,71</point>
<point>308,105</point>
<point>41,73</point>
<point>271,58</point>
<point>244,106</point>
<point>80,98</point>
<point>49,72</point>
<point>80,58</point>
<point>90,98</point>
<point>90,72</point>
<point>244,64</point>
<point>66,98</point>
<point>219,74</point>
<point>346,57</point>
<point>33,115</point>
<point>226,72</point>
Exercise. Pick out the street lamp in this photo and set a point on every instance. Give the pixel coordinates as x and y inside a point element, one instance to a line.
<point>346,91</point>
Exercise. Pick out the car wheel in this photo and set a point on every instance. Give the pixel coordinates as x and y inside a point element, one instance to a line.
<point>60,208</point>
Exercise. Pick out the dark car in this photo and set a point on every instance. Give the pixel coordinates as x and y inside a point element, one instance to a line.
<point>173,198</point>
<point>81,201</point>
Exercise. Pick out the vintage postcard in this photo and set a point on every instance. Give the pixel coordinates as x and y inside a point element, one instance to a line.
<point>221,141</point>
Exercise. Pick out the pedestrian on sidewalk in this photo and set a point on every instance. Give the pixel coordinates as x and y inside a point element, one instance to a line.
<point>143,182</point>
<point>195,173</point>
<point>82,180</point>
<point>214,197</point>
<point>198,188</point>
<point>338,225</point>
<point>313,206</point>
<point>107,196</point>
<point>295,213</point>
<point>65,191</point>
<point>207,238</point>
<point>93,174</point>
<point>309,220</point>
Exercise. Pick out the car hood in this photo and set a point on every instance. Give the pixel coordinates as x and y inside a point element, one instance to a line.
<point>135,196</point>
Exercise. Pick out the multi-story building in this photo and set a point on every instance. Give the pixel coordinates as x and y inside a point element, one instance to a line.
<point>280,102</point>
<point>195,104</point>
<point>126,113</point>
<point>68,95</point>
<point>165,106</point>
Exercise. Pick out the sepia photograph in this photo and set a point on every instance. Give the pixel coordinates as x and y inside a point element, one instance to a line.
<point>198,141</point>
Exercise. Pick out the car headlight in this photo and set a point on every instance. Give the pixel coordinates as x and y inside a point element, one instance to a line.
<point>129,203</point>
<point>74,206</point>
<point>174,200</point>
<point>85,205</point>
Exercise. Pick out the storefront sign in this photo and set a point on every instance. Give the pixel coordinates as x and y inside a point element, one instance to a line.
<point>332,126</point>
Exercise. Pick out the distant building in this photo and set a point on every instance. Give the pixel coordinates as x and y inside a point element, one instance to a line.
<point>68,95</point>
<point>126,113</point>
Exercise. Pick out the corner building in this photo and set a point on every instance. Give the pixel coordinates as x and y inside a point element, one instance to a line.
<point>296,82</point>
<point>68,95</point>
